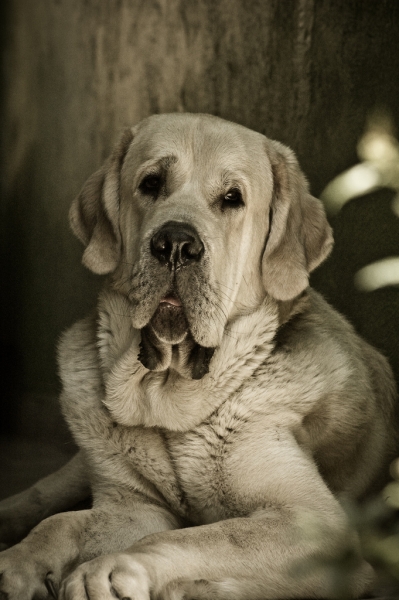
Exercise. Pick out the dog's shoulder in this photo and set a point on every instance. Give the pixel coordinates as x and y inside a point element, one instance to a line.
<point>315,322</point>
<point>78,359</point>
<point>350,428</point>
<point>81,378</point>
<point>320,331</point>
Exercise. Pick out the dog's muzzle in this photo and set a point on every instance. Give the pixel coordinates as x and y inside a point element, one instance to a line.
<point>177,244</point>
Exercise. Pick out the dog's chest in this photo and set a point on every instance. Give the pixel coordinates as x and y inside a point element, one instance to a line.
<point>205,461</point>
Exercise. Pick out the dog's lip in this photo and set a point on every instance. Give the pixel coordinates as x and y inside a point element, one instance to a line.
<point>171,299</point>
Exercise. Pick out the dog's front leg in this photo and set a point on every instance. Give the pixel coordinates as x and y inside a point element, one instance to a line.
<point>56,492</point>
<point>250,558</point>
<point>35,567</point>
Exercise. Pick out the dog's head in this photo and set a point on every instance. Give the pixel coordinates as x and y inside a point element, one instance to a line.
<point>198,219</point>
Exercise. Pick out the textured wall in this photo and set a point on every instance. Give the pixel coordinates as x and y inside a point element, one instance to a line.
<point>76,72</point>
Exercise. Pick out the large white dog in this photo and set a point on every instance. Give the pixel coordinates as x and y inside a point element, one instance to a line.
<point>216,399</point>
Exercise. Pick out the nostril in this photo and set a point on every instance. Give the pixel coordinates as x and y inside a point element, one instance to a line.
<point>161,247</point>
<point>191,250</point>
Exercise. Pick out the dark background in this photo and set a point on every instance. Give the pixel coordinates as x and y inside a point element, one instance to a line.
<point>75,72</point>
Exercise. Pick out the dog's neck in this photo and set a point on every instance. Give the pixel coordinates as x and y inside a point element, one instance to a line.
<point>169,397</point>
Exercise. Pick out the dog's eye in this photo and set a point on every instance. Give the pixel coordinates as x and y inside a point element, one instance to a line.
<point>233,199</point>
<point>151,184</point>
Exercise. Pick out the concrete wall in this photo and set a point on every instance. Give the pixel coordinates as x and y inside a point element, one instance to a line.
<point>302,71</point>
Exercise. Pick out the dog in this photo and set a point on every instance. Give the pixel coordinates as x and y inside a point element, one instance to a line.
<point>217,400</point>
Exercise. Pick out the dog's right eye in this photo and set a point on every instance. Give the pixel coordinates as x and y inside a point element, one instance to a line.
<point>151,185</point>
<point>232,199</point>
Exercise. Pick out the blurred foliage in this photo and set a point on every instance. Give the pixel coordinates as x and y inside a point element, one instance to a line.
<point>376,520</point>
<point>378,151</point>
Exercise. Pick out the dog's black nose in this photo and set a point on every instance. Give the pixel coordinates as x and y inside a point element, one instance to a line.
<point>177,244</point>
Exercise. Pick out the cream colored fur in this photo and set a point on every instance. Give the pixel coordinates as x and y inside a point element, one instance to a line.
<point>199,484</point>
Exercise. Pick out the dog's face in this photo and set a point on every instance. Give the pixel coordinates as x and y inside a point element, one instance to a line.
<point>198,219</point>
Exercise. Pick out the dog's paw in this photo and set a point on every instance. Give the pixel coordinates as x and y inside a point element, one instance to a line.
<point>22,577</point>
<point>106,578</point>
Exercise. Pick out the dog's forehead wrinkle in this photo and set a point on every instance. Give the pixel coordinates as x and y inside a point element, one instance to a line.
<point>163,162</point>
<point>214,170</point>
<point>153,164</point>
<point>202,143</point>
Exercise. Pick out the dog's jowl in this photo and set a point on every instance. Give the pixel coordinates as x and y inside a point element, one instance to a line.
<point>216,399</point>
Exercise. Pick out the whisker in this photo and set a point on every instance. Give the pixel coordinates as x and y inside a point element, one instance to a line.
<point>245,281</point>
<point>224,285</point>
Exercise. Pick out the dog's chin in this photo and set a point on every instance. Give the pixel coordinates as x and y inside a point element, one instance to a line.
<point>169,323</point>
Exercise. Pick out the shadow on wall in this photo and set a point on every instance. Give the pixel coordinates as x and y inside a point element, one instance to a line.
<point>39,262</point>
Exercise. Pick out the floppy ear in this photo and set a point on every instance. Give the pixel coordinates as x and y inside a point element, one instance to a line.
<point>300,237</point>
<point>94,213</point>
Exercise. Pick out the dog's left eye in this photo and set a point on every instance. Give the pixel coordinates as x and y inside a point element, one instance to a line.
<point>151,184</point>
<point>233,199</point>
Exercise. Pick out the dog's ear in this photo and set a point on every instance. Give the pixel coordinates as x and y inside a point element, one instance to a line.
<point>94,213</point>
<point>300,237</point>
